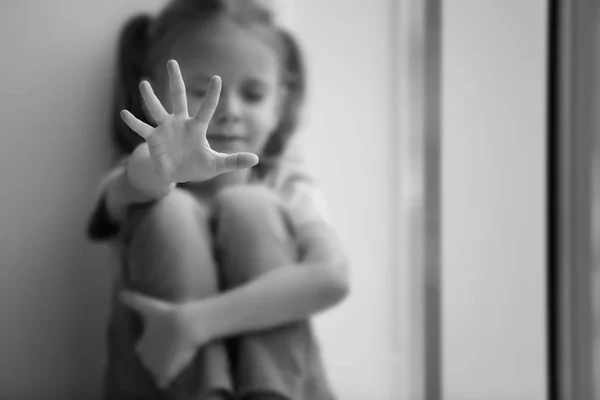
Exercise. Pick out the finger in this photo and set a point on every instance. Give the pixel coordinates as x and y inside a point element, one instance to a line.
<point>156,369</point>
<point>175,368</point>
<point>178,96</point>
<point>141,303</point>
<point>154,105</point>
<point>152,361</point>
<point>139,127</point>
<point>232,162</point>
<point>162,383</point>
<point>210,101</point>
<point>161,376</point>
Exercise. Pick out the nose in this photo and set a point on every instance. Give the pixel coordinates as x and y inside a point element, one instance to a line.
<point>229,109</point>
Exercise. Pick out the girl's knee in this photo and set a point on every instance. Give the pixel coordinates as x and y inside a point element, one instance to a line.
<point>253,233</point>
<point>249,207</point>
<point>179,206</point>
<point>163,221</point>
<point>170,247</point>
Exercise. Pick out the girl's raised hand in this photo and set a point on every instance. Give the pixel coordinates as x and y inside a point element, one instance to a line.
<point>178,145</point>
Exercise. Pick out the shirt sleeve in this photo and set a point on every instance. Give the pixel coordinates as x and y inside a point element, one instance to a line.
<point>306,205</point>
<point>309,215</point>
<point>316,237</point>
<point>100,225</point>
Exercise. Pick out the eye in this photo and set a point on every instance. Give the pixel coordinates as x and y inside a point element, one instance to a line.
<point>255,92</point>
<point>197,92</point>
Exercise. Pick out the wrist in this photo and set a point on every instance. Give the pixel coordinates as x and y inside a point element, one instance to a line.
<point>143,177</point>
<point>198,321</point>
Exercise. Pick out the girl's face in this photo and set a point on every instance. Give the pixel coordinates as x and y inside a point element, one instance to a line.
<point>250,104</point>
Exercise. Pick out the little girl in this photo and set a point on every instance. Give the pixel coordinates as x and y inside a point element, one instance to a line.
<point>223,258</point>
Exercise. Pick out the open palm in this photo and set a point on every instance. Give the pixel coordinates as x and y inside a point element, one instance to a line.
<point>178,145</point>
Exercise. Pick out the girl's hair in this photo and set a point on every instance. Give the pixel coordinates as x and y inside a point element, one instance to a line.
<point>143,36</point>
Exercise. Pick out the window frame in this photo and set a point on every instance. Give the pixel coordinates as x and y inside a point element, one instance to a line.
<point>570,163</point>
<point>417,157</point>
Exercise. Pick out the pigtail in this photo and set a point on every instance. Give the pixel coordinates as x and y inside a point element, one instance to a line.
<point>131,52</point>
<point>295,81</point>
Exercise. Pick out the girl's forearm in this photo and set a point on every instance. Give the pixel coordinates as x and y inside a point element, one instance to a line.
<point>137,183</point>
<point>281,296</point>
<point>120,194</point>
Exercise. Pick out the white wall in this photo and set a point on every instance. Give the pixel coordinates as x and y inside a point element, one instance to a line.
<point>57,58</point>
<point>494,143</point>
<point>55,78</point>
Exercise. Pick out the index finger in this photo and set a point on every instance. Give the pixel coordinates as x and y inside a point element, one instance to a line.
<point>210,101</point>
<point>154,105</point>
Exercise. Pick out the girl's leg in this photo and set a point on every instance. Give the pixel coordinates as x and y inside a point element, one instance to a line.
<point>168,254</point>
<point>253,237</point>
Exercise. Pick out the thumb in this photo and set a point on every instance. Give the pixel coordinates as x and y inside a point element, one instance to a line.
<point>141,303</point>
<point>231,162</point>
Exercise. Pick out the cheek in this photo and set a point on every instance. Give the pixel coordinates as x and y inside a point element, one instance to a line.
<point>272,114</point>
<point>264,124</point>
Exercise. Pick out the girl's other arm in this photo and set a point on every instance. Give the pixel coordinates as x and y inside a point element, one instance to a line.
<point>318,281</point>
<point>281,296</point>
<point>132,182</point>
<point>137,183</point>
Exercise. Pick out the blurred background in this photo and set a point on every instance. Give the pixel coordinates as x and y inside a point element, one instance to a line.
<point>363,61</point>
